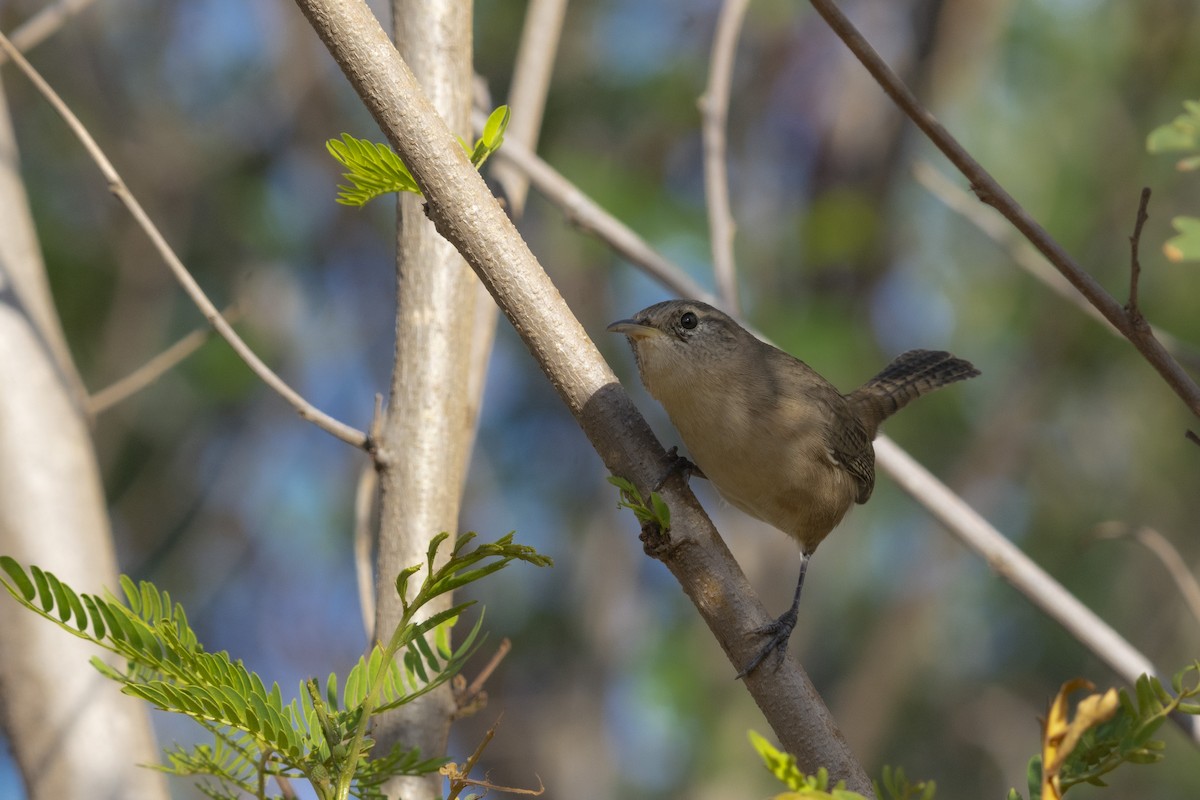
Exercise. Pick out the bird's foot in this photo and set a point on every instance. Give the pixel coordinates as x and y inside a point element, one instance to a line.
<point>780,631</point>
<point>679,465</point>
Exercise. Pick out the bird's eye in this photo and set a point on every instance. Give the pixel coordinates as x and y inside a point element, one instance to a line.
<point>689,320</point>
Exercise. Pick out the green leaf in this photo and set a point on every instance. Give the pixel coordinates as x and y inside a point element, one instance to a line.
<point>1185,246</point>
<point>1033,778</point>
<point>43,588</point>
<point>402,581</point>
<point>331,691</point>
<point>662,512</point>
<point>60,597</point>
<point>81,618</point>
<point>24,585</point>
<point>374,170</point>
<point>97,618</point>
<point>781,765</point>
<point>1182,133</point>
<point>132,596</point>
<point>493,129</point>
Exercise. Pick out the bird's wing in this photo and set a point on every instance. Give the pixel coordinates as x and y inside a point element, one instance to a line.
<point>850,448</point>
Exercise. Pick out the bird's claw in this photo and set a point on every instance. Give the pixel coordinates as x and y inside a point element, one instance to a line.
<point>680,465</point>
<point>780,630</point>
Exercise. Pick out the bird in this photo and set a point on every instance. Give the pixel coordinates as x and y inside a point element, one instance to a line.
<point>775,438</point>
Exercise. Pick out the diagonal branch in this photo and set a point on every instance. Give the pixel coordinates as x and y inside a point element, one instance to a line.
<point>117,186</point>
<point>43,24</point>
<point>122,389</point>
<point>467,215</point>
<point>992,193</point>
<point>996,228</point>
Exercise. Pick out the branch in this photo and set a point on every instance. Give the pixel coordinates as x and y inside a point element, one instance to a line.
<point>988,220</point>
<point>1007,561</point>
<point>121,390</point>
<point>527,92</point>
<point>714,109</point>
<point>1135,265</point>
<point>990,192</point>
<point>43,24</point>
<point>467,214</point>
<point>1160,546</point>
<point>117,186</point>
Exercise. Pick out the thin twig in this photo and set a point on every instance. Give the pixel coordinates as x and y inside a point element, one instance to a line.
<point>472,691</point>
<point>1007,560</point>
<point>991,223</point>
<point>117,186</point>
<point>714,110</point>
<point>364,532</point>
<point>1135,264</point>
<point>1191,436</point>
<point>532,70</point>
<point>1162,548</point>
<point>588,216</point>
<point>120,390</point>
<point>364,505</point>
<point>992,193</point>
<point>41,25</point>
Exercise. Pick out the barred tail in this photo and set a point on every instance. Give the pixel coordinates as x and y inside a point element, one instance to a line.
<point>909,376</point>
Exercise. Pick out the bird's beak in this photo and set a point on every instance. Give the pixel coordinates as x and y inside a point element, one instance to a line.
<point>633,329</point>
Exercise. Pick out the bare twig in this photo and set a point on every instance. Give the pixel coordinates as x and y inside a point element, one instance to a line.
<point>467,698</point>
<point>714,110</point>
<point>1192,437</point>
<point>149,372</point>
<point>467,215</point>
<point>1135,264</point>
<point>589,217</point>
<point>1024,255</point>
<point>992,193</point>
<point>460,778</point>
<point>364,501</point>
<point>527,94</point>
<point>41,25</point>
<point>117,186</point>
<point>1161,547</point>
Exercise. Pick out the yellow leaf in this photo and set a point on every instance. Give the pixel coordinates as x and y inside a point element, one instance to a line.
<point>1060,734</point>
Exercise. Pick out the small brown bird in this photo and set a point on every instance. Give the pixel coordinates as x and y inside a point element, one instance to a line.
<point>775,438</point>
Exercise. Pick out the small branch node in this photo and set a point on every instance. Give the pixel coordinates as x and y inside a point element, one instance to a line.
<point>1135,265</point>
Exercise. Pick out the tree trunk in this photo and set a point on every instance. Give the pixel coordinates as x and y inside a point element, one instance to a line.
<point>71,730</point>
<point>429,427</point>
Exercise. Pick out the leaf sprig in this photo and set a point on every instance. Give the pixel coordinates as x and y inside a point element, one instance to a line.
<point>375,169</point>
<point>320,737</point>
<point>653,511</point>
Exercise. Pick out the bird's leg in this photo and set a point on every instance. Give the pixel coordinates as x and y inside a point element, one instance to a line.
<point>781,629</point>
<point>679,465</point>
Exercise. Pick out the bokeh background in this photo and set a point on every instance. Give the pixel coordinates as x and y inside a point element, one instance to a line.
<point>216,112</point>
